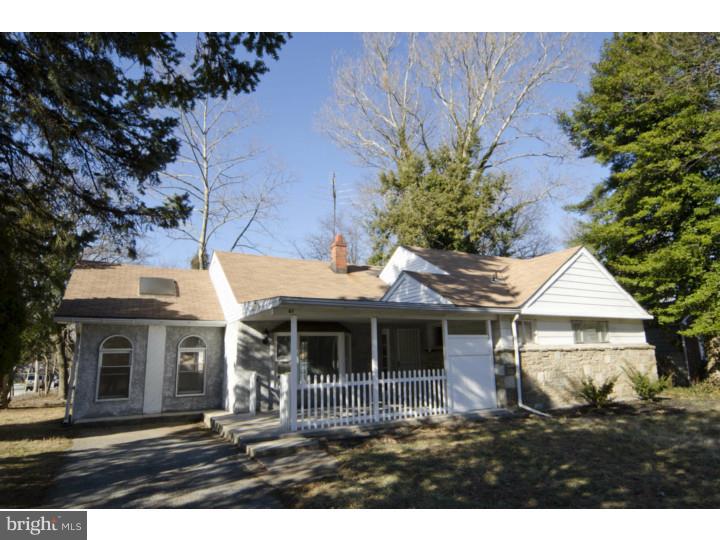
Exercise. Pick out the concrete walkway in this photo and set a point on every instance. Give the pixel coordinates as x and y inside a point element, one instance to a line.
<point>178,466</point>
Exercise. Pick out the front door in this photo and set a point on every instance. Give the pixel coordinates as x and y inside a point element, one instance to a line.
<point>471,376</point>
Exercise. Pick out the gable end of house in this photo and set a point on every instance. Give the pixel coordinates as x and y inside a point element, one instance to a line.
<point>583,287</point>
<point>409,290</point>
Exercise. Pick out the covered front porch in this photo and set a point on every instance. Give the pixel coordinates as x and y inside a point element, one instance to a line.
<point>331,367</point>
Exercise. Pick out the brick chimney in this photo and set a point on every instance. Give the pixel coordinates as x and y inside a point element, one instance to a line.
<point>338,255</point>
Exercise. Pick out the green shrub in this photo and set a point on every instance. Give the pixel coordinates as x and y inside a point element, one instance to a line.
<point>596,395</point>
<point>646,387</point>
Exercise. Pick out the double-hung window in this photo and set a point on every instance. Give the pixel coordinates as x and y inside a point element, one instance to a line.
<point>191,367</point>
<point>590,331</point>
<point>114,368</point>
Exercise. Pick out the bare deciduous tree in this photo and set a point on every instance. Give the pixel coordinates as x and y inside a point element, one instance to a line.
<point>423,91</point>
<point>214,170</point>
<point>317,245</point>
<point>108,250</point>
<point>482,95</point>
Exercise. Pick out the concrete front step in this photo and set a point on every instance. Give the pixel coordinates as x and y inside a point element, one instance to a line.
<point>283,446</point>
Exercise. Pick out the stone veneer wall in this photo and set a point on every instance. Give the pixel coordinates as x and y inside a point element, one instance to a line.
<point>547,372</point>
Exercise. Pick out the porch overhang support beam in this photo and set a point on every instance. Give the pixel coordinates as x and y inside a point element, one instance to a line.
<point>293,371</point>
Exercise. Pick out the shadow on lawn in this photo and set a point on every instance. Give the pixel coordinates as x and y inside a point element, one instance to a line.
<point>629,456</point>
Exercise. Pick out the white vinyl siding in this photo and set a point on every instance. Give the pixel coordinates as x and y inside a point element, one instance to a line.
<point>404,259</point>
<point>625,331</point>
<point>585,290</point>
<point>558,331</point>
<point>408,289</point>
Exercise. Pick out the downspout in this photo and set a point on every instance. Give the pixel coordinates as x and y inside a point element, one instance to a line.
<point>518,377</point>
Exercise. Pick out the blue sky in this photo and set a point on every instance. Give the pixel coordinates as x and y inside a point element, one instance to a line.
<point>290,97</point>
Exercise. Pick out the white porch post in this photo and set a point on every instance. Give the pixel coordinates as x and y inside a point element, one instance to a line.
<point>375,368</point>
<point>342,368</point>
<point>449,392</point>
<point>293,372</point>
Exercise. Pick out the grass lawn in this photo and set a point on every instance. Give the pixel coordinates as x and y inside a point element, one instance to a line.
<point>32,441</point>
<point>664,454</point>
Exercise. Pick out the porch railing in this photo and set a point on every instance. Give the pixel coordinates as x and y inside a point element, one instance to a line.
<point>341,400</point>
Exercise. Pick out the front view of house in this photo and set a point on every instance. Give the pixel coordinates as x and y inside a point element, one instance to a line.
<point>431,332</point>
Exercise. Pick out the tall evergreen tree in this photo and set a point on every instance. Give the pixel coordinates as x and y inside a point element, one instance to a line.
<point>83,135</point>
<point>653,116</point>
<point>444,201</point>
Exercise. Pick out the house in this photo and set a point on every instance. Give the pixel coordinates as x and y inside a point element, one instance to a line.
<point>431,332</point>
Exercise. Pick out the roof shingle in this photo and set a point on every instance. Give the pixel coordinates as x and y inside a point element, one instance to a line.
<point>481,281</point>
<point>100,290</point>
<point>256,277</point>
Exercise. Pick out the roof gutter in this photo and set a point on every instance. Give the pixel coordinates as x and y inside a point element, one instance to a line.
<point>137,322</point>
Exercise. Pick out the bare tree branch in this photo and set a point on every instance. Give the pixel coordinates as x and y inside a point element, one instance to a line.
<point>216,171</point>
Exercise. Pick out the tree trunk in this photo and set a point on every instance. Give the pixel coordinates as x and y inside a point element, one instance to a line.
<point>46,383</point>
<point>6,385</point>
<point>63,361</point>
<point>36,381</point>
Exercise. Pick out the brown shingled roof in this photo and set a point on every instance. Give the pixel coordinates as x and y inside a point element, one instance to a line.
<point>255,277</point>
<point>100,290</point>
<point>475,280</point>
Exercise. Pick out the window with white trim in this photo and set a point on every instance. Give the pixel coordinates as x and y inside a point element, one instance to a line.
<point>114,368</point>
<point>190,367</point>
<point>590,331</point>
<point>526,331</point>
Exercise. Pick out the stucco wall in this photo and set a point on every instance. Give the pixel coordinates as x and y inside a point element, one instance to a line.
<point>85,404</point>
<point>213,338</point>
<point>548,372</point>
<point>251,355</point>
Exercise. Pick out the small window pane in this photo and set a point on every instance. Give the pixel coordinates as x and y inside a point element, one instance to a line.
<point>117,342</point>
<point>590,331</point>
<point>191,373</point>
<point>114,383</point>
<point>192,342</point>
<point>116,359</point>
<point>464,328</point>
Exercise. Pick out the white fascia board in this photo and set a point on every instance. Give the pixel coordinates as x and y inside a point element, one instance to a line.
<point>404,259</point>
<point>228,303</point>
<point>527,307</point>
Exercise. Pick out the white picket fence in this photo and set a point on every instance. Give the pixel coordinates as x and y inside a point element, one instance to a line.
<point>355,399</point>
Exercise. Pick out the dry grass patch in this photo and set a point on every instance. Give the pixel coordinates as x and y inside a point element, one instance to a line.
<point>32,442</point>
<point>641,455</point>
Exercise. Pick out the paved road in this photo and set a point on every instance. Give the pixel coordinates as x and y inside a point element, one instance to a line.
<point>181,466</point>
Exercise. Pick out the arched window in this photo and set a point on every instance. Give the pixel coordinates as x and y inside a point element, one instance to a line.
<point>114,367</point>
<point>191,367</point>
